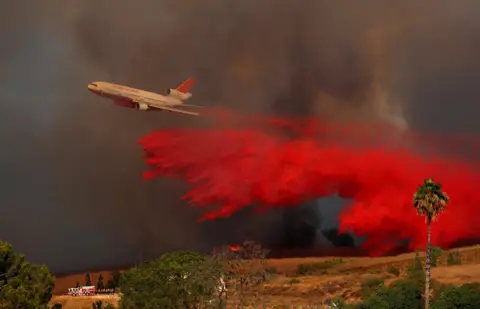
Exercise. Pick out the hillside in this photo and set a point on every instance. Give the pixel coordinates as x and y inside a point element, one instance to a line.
<point>344,278</point>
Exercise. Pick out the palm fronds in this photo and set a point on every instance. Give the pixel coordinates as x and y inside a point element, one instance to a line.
<point>429,200</point>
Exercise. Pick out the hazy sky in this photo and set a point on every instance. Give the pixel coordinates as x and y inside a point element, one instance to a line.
<point>71,192</point>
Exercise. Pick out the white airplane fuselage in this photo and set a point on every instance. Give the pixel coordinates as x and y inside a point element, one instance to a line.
<point>126,96</point>
<point>145,100</point>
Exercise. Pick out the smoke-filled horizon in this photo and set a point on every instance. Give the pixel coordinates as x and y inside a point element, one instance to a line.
<point>70,167</point>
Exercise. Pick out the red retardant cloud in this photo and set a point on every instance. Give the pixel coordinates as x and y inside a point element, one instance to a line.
<point>231,167</point>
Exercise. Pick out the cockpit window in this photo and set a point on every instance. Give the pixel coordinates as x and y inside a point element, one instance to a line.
<point>93,84</point>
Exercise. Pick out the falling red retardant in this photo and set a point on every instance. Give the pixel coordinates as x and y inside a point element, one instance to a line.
<point>230,167</point>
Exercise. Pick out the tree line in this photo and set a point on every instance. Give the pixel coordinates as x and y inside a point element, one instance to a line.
<point>110,287</point>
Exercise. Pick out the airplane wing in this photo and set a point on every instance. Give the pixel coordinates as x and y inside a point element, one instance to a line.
<point>176,110</point>
<point>155,105</point>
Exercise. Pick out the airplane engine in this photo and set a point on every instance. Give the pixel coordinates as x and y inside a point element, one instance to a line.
<point>142,106</point>
<point>179,95</point>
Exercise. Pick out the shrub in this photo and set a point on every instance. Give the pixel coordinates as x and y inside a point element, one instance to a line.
<point>453,258</point>
<point>371,286</point>
<point>435,253</point>
<point>393,271</point>
<point>271,270</point>
<point>294,281</point>
<point>465,296</point>
<point>403,294</point>
<point>317,268</point>
<point>415,271</point>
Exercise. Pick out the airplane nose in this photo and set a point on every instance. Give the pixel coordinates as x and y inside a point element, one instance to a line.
<point>92,87</point>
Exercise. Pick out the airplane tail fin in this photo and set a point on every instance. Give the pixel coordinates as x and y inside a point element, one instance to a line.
<point>186,85</point>
<point>181,92</point>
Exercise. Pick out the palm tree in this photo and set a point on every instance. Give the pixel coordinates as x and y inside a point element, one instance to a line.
<point>429,201</point>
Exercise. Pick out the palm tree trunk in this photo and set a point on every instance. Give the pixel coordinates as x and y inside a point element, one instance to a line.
<point>427,266</point>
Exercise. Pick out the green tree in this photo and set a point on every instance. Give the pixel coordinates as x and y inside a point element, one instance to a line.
<point>429,201</point>
<point>435,253</point>
<point>88,281</point>
<point>22,284</point>
<point>181,279</point>
<point>100,285</point>
<point>116,278</point>
<point>453,258</point>
<point>110,284</point>
<point>415,270</point>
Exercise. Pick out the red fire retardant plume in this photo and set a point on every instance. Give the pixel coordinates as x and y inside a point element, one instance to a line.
<point>232,167</point>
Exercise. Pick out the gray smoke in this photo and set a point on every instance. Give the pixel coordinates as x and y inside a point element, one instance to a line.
<point>70,177</point>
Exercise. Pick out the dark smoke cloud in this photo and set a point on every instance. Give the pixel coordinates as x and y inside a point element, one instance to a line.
<point>70,170</point>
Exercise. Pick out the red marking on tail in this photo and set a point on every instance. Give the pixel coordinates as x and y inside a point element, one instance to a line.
<point>185,86</point>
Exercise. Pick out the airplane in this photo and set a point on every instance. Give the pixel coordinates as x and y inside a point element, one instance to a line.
<point>144,100</point>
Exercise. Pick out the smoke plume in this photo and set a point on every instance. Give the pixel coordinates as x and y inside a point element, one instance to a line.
<point>70,168</point>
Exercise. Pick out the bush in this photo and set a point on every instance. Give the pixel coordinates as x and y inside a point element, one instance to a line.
<point>407,294</point>
<point>271,270</point>
<point>435,253</point>
<point>453,258</point>
<point>371,286</point>
<point>294,281</point>
<point>393,271</point>
<point>23,285</point>
<point>57,306</point>
<point>465,296</point>
<point>317,268</point>
<point>403,294</point>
